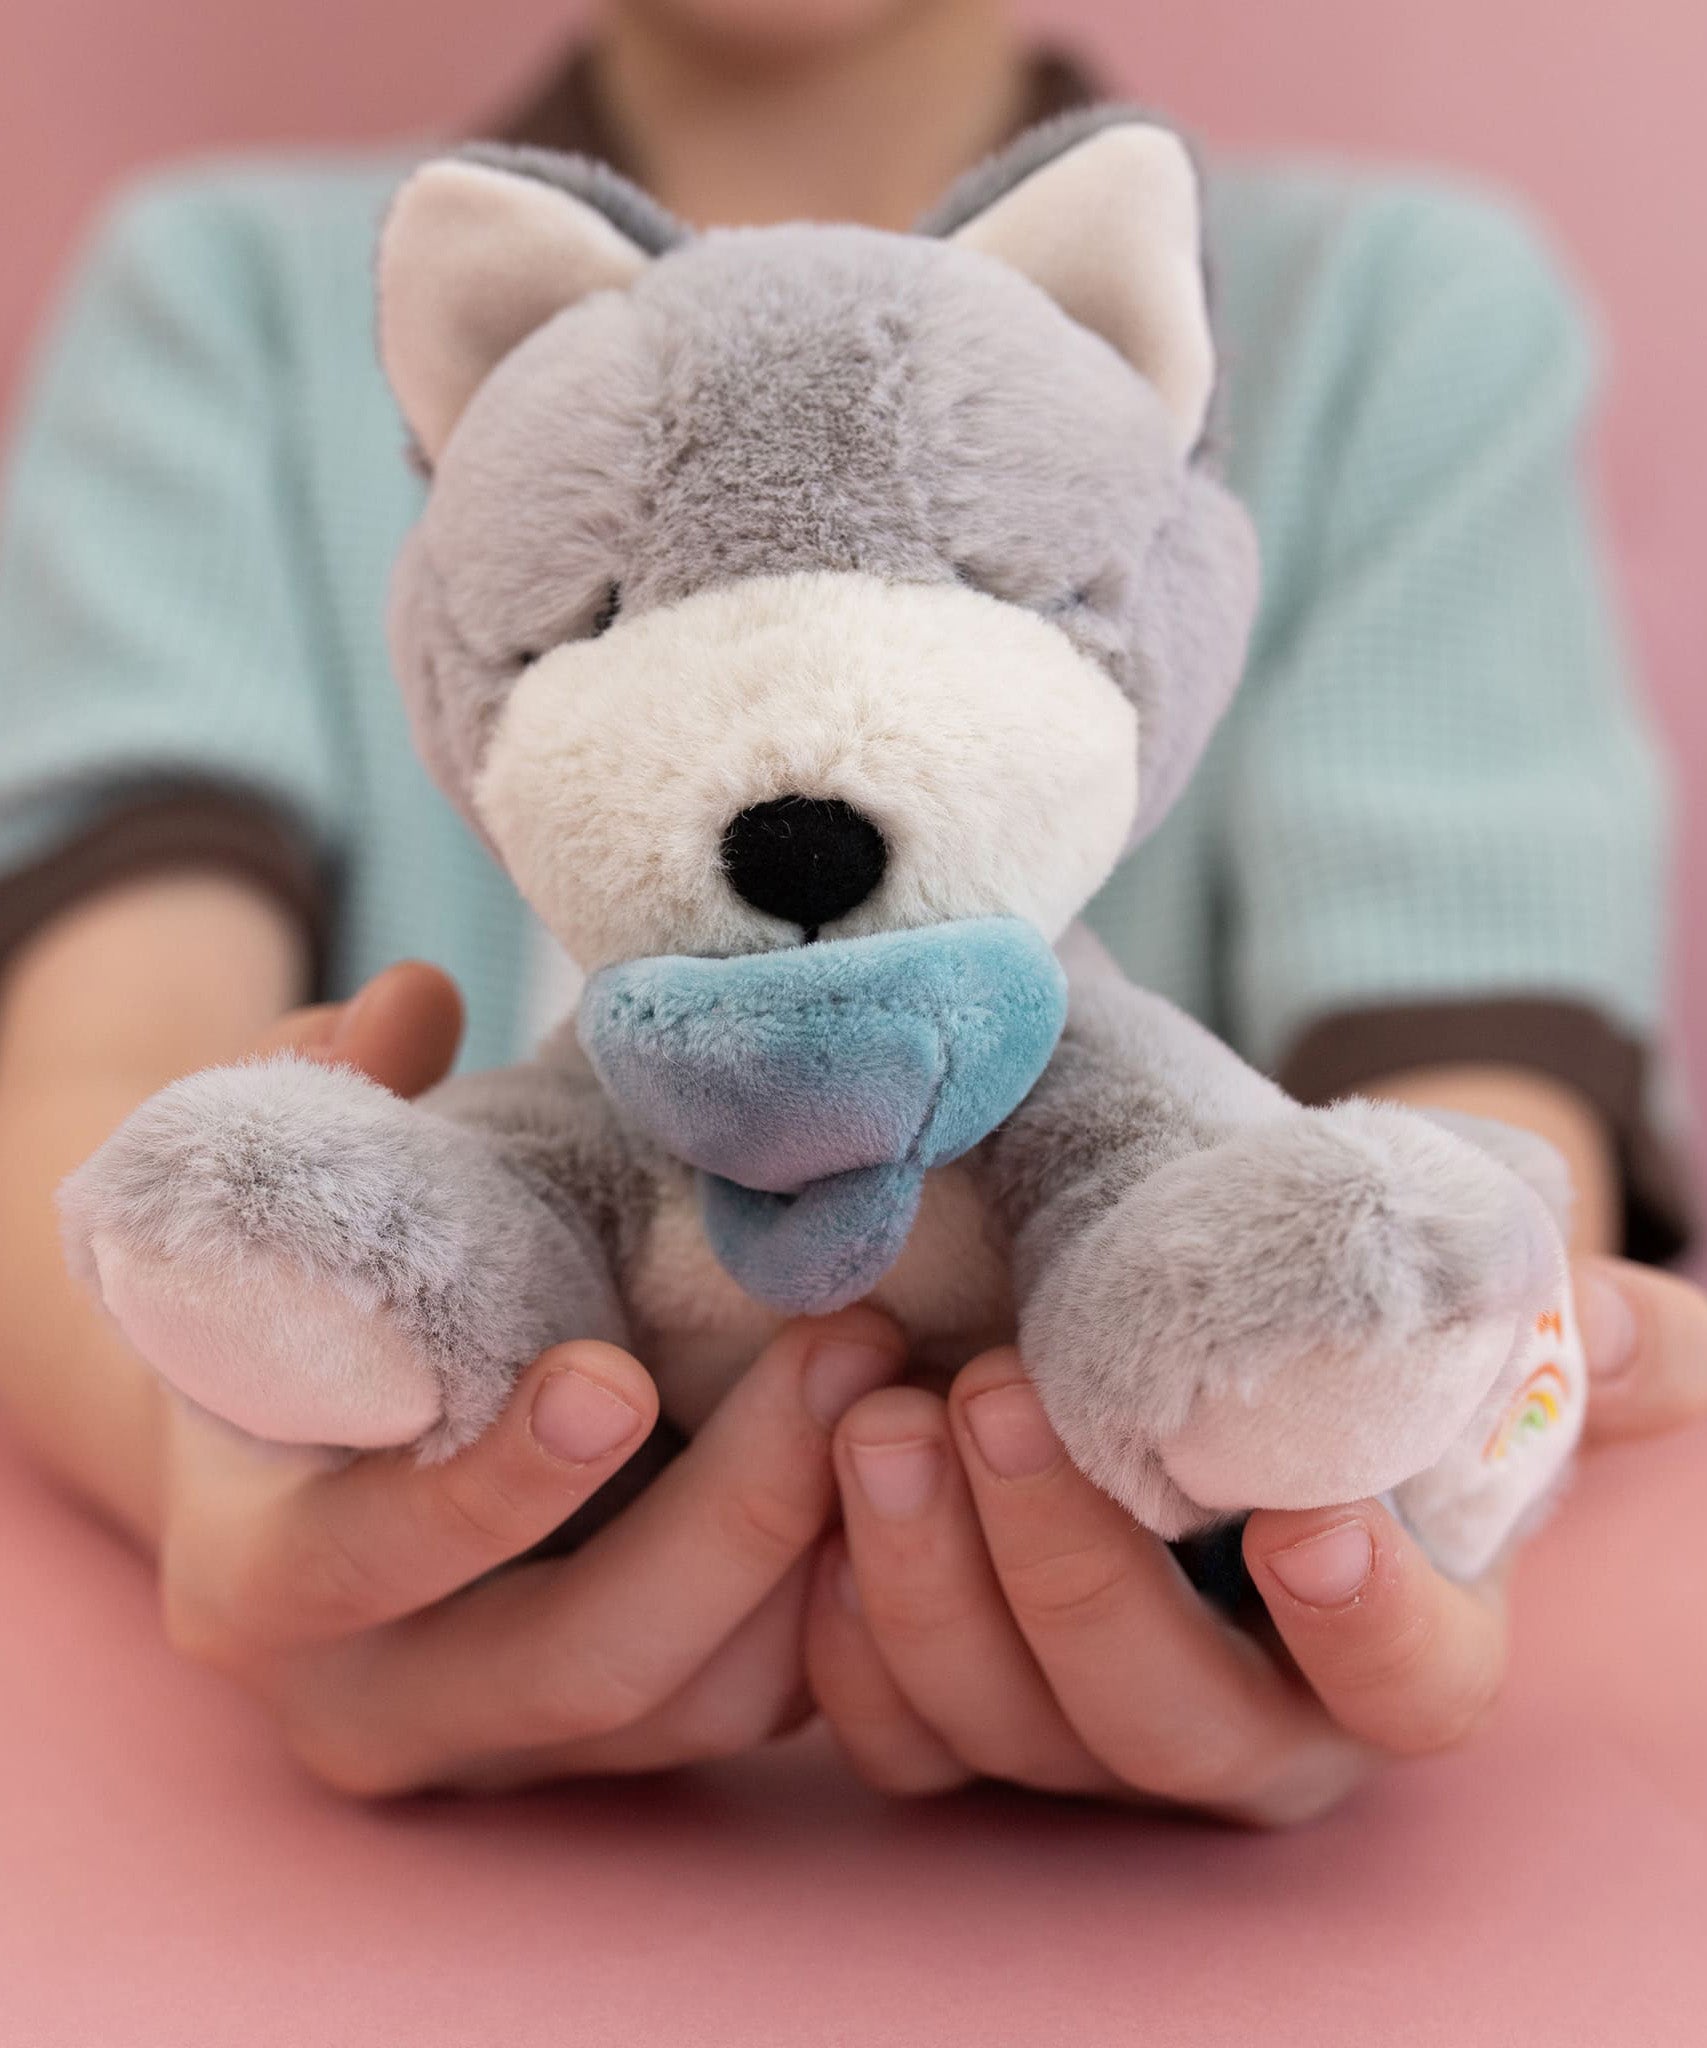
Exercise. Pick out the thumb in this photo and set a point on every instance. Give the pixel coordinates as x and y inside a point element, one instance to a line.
<point>1645,1340</point>
<point>401,1029</point>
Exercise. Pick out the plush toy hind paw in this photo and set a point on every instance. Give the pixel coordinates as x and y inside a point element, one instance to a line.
<point>1322,1307</point>
<point>318,1262</point>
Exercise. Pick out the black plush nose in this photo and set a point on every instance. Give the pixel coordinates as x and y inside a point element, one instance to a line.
<point>806,859</point>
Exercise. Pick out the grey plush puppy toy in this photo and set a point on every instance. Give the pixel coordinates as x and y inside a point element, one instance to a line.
<point>809,618</point>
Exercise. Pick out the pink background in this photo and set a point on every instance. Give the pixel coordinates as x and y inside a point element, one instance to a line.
<point>167,1882</point>
<point>164,1878</point>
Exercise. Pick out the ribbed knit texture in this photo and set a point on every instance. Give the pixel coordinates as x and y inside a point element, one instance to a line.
<point>1433,783</point>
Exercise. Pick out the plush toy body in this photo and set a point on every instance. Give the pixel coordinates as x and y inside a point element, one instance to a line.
<point>809,619</point>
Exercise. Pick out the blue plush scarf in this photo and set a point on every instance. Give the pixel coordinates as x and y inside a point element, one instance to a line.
<point>813,1088</point>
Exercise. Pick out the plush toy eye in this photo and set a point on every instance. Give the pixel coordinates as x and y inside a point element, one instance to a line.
<point>605,617</point>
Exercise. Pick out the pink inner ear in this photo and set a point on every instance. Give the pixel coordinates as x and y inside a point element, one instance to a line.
<point>472,260</point>
<point>288,1359</point>
<point>1111,229</point>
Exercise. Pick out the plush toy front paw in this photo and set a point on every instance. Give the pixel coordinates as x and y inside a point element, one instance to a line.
<point>1313,1310</point>
<point>319,1262</point>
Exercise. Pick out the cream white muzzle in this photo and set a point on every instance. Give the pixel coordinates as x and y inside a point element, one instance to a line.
<point>998,762</point>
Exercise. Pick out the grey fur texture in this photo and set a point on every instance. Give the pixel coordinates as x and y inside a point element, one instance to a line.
<point>797,398</point>
<point>419,1220</point>
<point>1183,1230</point>
<point>1226,1300</point>
<point>979,189</point>
<point>558,1133</point>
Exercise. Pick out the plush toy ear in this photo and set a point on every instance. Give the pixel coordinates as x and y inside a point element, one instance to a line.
<point>472,258</point>
<point>1112,229</point>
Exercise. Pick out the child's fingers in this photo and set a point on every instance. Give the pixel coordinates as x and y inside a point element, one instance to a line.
<point>253,1565</point>
<point>1401,1657</point>
<point>565,1651</point>
<point>1169,1698</point>
<point>1645,1339</point>
<point>748,1692</point>
<point>887,1743</point>
<point>932,1605</point>
<point>401,1029</point>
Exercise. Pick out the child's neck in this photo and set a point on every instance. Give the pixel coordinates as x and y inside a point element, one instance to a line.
<point>870,128</point>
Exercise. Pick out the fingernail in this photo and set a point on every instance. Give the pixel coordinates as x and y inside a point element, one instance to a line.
<point>1326,1570</point>
<point>897,1479</point>
<point>577,1420</point>
<point>1608,1324</point>
<point>1012,1432</point>
<point>838,1374</point>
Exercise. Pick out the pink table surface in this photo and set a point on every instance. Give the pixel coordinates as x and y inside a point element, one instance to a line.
<point>167,1878</point>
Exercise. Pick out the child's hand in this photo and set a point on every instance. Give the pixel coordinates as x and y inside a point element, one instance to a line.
<point>989,1613</point>
<point>346,1599</point>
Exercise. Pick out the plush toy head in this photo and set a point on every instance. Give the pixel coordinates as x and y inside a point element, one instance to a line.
<point>808,580</point>
<point>814,584</point>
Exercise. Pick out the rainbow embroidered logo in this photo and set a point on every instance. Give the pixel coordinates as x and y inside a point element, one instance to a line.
<point>1536,1406</point>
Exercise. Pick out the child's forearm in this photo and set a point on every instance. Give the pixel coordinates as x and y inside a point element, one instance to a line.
<point>1535,1102</point>
<point>112,1000</point>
